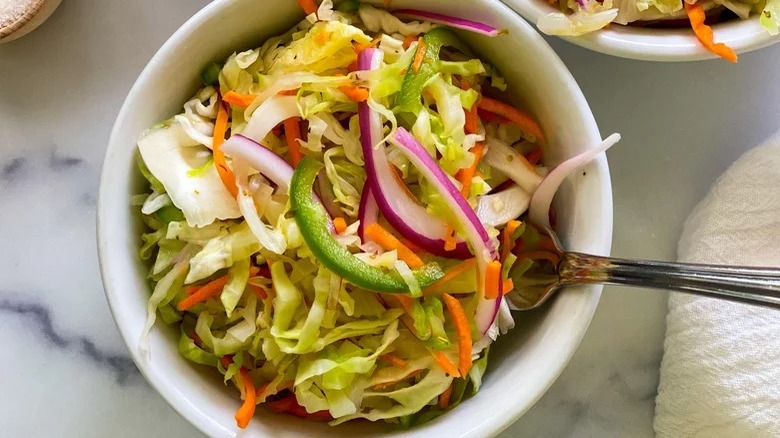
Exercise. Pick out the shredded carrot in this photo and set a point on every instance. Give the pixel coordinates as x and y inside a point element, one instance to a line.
<point>258,291</point>
<point>419,55</point>
<point>247,410</point>
<point>704,33</point>
<point>308,6</point>
<point>509,229</point>
<point>226,361</point>
<point>472,120</point>
<point>540,255</point>
<point>208,290</point>
<point>547,244</point>
<point>508,286</point>
<point>354,93</point>
<point>339,224</point>
<point>220,129</point>
<point>409,244</point>
<point>292,92</point>
<point>400,179</point>
<point>196,339</point>
<point>292,132</point>
<point>389,242</point>
<point>463,330</point>
<point>450,239</point>
<point>514,115</point>
<point>408,40</point>
<point>444,398</point>
<point>360,47</point>
<point>534,156</point>
<point>492,278</point>
<point>406,302</point>
<point>239,99</point>
<point>321,37</point>
<point>452,274</point>
<point>492,118</point>
<point>466,175</point>
<point>445,364</point>
<point>393,360</point>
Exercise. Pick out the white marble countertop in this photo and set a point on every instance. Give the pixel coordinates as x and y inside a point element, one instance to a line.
<point>66,372</point>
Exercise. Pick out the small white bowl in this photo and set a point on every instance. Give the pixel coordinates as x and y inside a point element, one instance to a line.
<point>523,364</point>
<point>671,45</point>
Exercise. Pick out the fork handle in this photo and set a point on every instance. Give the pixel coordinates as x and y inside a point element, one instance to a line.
<point>742,284</point>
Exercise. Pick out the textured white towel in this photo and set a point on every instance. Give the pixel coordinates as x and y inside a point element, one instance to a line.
<point>720,375</point>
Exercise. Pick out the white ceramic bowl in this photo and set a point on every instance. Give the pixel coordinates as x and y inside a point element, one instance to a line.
<point>523,364</point>
<point>656,44</point>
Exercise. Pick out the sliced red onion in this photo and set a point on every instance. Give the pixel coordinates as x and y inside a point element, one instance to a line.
<point>458,23</point>
<point>496,209</point>
<point>368,211</point>
<point>476,234</point>
<point>260,158</point>
<point>405,214</point>
<point>543,196</point>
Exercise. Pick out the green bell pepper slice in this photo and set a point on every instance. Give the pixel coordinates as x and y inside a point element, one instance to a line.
<point>410,96</point>
<point>312,221</point>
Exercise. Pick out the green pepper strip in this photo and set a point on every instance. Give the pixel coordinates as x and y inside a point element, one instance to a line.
<point>410,96</point>
<point>312,221</point>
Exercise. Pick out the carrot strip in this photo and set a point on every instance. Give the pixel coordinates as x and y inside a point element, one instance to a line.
<point>492,118</point>
<point>406,302</point>
<point>409,40</point>
<point>224,171</point>
<point>444,398</point>
<point>355,93</point>
<point>508,286</point>
<point>540,255</point>
<point>393,360</point>
<point>292,132</point>
<point>492,277</point>
<point>308,6</point>
<point>292,92</point>
<point>547,244</point>
<point>451,274</point>
<point>247,410</point>
<point>419,55</point>
<point>450,240</point>
<point>534,156</point>
<point>704,33</point>
<point>339,224</point>
<point>463,330</point>
<point>389,242</point>
<point>510,228</point>
<point>239,99</point>
<point>208,290</point>
<point>360,47</point>
<point>445,364</point>
<point>472,120</point>
<point>466,175</point>
<point>514,115</point>
<point>226,361</point>
<point>258,291</point>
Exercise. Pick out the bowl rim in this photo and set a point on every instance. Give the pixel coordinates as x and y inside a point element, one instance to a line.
<point>664,45</point>
<point>590,295</point>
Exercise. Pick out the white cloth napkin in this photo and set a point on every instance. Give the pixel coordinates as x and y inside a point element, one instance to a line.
<point>720,375</point>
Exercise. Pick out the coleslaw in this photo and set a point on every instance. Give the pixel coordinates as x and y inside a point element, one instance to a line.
<point>336,218</point>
